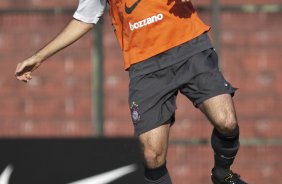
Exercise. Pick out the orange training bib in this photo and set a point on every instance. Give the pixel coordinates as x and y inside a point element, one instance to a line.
<point>146,28</point>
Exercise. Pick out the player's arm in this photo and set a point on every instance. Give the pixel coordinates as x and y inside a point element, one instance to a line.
<point>72,32</point>
<point>86,15</point>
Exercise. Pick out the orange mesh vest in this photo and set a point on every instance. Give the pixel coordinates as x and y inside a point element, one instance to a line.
<point>145,28</point>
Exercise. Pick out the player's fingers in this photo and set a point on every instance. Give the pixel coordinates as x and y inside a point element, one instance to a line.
<point>21,78</point>
<point>28,75</point>
<point>25,77</point>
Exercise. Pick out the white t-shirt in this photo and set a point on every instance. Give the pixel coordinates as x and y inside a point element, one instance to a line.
<point>90,11</point>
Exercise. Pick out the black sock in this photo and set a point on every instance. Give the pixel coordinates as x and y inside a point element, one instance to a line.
<point>158,175</point>
<point>225,149</point>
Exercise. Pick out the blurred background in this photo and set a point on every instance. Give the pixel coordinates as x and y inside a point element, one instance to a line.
<point>82,91</point>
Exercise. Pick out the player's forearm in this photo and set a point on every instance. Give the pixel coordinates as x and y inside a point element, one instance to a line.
<point>72,32</point>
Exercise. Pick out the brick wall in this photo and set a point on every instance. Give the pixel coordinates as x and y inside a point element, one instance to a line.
<point>57,102</point>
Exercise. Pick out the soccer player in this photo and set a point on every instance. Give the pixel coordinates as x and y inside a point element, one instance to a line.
<point>166,50</point>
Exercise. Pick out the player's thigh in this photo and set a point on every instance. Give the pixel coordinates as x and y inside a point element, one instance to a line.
<point>154,144</point>
<point>220,111</point>
<point>205,79</point>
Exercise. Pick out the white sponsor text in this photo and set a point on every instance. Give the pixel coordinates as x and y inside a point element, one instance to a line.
<point>145,22</point>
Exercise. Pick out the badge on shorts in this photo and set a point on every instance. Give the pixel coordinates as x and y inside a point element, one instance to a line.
<point>135,115</point>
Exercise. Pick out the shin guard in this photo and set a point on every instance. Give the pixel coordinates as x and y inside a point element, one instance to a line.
<point>225,148</point>
<point>158,175</point>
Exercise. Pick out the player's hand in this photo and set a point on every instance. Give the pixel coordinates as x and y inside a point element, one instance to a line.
<point>25,68</point>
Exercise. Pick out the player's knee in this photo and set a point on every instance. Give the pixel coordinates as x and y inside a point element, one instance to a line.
<point>153,158</point>
<point>227,125</point>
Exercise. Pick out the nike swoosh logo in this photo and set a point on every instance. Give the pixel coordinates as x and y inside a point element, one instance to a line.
<point>103,178</point>
<point>107,177</point>
<point>6,174</point>
<point>130,9</point>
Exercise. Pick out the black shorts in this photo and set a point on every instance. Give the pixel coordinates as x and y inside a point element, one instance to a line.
<point>152,97</point>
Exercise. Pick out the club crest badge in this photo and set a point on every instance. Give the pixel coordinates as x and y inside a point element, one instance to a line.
<point>135,115</point>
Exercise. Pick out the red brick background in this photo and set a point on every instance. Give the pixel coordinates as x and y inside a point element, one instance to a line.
<point>57,102</point>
